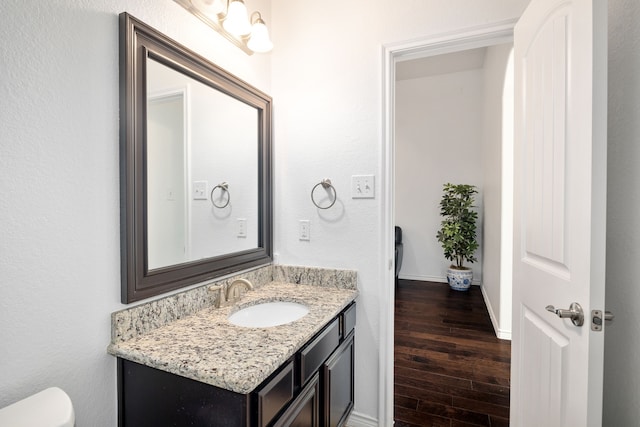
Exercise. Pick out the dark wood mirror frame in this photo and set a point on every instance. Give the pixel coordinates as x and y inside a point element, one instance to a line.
<point>138,42</point>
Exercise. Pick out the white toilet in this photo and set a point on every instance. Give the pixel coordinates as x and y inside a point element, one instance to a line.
<point>49,408</point>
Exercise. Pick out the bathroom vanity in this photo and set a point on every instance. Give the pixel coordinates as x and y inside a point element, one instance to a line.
<point>202,370</point>
<point>181,359</point>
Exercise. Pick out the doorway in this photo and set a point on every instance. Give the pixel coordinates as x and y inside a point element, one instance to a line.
<point>167,199</point>
<point>476,38</point>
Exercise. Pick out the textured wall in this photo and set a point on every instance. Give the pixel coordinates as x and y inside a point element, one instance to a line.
<point>496,288</point>
<point>622,366</point>
<point>439,137</point>
<point>59,210</point>
<point>327,83</point>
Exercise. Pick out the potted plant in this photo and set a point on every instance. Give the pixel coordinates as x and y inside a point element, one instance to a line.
<point>458,232</point>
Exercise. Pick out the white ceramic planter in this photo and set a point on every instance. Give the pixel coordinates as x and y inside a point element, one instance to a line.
<point>459,280</point>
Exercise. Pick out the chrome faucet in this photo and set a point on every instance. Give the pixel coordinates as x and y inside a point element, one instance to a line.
<point>233,292</point>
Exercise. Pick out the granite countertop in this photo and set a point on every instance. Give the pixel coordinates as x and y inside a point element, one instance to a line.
<point>206,347</point>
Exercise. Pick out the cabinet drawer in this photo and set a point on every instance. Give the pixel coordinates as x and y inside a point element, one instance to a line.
<point>275,395</point>
<point>348,319</point>
<point>317,351</point>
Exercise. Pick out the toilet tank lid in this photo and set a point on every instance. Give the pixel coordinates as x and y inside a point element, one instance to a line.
<point>51,408</point>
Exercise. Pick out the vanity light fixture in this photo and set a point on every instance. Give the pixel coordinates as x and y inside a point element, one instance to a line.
<point>259,41</point>
<point>231,20</point>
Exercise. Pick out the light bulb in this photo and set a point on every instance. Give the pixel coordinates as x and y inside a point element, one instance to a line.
<point>236,22</point>
<point>259,41</point>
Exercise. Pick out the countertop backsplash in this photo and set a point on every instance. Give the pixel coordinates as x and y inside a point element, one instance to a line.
<point>327,277</point>
<point>138,320</point>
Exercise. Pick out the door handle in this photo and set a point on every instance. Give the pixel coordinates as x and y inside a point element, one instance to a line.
<point>574,313</point>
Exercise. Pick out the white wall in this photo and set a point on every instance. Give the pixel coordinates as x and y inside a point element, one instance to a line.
<point>622,365</point>
<point>439,135</point>
<point>218,151</point>
<point>495,65</point>
<point>59,175</point>
<point>229,155</point>
<point>327,87</point>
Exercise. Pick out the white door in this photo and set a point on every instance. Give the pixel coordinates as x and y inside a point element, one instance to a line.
<point>559,218</point>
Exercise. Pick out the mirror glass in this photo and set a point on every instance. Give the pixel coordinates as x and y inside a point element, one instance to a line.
<point>195,147</point>
<point>202,170</point>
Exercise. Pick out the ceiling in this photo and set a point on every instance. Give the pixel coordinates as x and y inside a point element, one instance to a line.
<point>441,64</point>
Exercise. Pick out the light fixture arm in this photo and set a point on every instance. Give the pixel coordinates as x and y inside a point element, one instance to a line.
<point>258,20</point>
<point>223,14</point>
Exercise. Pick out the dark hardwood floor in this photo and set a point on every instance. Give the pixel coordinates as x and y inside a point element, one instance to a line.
<point>450,369</point>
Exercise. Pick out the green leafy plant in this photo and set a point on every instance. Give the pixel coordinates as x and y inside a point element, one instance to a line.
<point>458,228</point>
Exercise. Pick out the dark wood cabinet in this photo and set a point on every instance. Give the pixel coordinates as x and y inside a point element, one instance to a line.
<point>313,354</point>
<point>273,396</point>
<point>315,387</point>
<point>305,410</point>
<point>149,397</point>
<point>339,384</point>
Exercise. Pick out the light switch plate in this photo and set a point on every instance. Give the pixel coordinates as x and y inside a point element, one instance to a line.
<point>305,230</point>
<point>363,187</point>
<point>200,190</point>
<point>242,227</point>
<point>171,194</point>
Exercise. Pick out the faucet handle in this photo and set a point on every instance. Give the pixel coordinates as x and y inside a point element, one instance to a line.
<point>220,300</point>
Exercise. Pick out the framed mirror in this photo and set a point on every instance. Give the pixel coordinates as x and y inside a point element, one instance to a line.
<point>195,167</point>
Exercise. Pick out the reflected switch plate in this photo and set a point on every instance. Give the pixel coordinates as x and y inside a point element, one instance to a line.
<point>305,230</point>
<point>242,227</point>
<point>200,190</point>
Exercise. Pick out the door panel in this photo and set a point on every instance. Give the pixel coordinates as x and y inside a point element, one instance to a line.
<point>545,143</point>
<point>543,352</point>
<point>559,215</point>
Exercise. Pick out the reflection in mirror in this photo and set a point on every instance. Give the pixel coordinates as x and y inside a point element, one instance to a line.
<point>195,178</point>
<point>194,143</point>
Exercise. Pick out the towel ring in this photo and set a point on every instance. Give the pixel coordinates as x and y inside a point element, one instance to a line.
<point>326,184</point>
<point>224,187</point>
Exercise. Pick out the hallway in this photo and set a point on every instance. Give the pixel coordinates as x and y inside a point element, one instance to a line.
<point>450,369</point>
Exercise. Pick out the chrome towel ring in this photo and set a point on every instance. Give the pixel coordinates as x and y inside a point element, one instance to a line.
<point>326,184</point>
<point>224,188</point>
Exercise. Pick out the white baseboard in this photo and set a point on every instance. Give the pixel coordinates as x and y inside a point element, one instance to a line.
<point>438,279</point>
<point>423,278</point>
<point>361,420</point>
<point>500,333</point>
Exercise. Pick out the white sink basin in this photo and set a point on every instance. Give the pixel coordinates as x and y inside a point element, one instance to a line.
<point>268,314</point>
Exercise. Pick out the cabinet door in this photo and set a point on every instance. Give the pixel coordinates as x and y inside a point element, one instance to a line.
<point>275,395</point>
<point>305,410</point>
<point>339,384</point>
